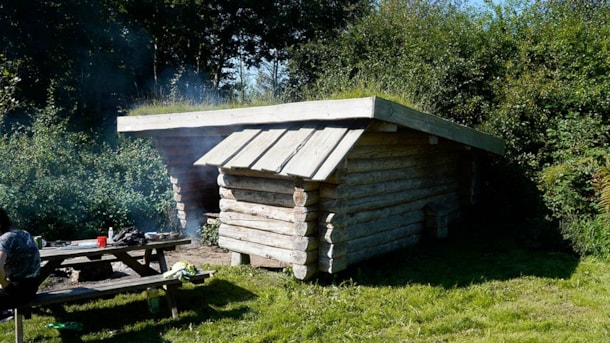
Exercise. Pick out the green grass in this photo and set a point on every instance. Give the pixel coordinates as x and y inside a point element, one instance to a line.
<point>180,107</point>
<point>454,291</point>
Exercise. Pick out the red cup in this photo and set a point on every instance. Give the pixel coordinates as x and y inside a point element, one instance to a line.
<point>101,241</point>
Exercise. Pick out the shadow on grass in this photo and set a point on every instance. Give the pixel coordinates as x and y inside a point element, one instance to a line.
<point>458,263</point>
<point>195,304</point>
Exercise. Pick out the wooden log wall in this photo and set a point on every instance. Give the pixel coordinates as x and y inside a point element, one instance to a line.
<point>270,216</point>
<point>195,189</point>
<point>374,203</point>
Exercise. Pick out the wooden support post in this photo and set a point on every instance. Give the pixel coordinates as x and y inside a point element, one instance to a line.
<point>239,259</point>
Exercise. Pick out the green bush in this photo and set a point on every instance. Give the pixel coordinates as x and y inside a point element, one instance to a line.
<point>588,235</point>
<point>70,185</point>
<point>209,232</point>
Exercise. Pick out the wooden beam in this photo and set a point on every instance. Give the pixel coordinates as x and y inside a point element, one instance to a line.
<point>291,112</point>
<point>282,255</point>
<point>395,113</point>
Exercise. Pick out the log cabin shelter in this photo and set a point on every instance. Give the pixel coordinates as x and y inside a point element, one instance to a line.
<point>319,185</point>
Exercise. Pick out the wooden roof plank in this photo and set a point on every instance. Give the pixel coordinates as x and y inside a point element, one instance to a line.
<point>251,152</point>
<point>226,149</point>
<point>314,152</point>
<point>276,157</point>
<point>337,155</point>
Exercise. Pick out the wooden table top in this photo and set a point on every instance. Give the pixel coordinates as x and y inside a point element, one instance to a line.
<point>61,253</point>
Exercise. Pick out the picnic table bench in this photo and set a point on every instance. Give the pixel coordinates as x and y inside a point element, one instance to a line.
<point>147,278</point>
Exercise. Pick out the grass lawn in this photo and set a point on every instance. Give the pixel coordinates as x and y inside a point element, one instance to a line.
<point>443,292</point>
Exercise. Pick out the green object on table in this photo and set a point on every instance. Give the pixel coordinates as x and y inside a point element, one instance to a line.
<point>76,326</point>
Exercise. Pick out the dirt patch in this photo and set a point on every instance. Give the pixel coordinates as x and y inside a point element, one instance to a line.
<point>195,253</point>
<point>199,254</point>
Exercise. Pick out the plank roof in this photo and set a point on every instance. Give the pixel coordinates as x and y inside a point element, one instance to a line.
<point>305,139</point>
<point>311,151</point>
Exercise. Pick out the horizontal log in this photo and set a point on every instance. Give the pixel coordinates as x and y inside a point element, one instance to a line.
<point>384,200</point>
<point>387,151</point>
<point>298,228</point>
<point>338,234</point>
<point>259,210</point>
<point>282,255</point>
<point>371,252</point>
<point>268,238</point>
<point>258,197</point>
<point>304,272</point>
<point>385,223</point>
<point>244,172</point>
<point>345,191</point>
<point>344,219</point>
<point>333,265</point>
<point>383,237</point>
<point>296,214</point>
<point>359,165</point>
<point>256,184</point>
<point>257,222</point>
<point>445,165</point>
<point>299,198</point>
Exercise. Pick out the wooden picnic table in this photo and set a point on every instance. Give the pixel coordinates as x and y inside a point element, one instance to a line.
<point>56,257</point>
<point>53,257</point>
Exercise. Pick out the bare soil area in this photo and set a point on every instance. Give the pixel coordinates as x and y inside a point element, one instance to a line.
<point>195,253</point>
<point>199,254</point>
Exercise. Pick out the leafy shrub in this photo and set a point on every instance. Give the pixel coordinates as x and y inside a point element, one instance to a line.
<point>588,236</point>
<point>70,185</point>
<point>209,232</point>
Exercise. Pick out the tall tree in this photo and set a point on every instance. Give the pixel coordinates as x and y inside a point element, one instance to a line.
<point>98,55</point>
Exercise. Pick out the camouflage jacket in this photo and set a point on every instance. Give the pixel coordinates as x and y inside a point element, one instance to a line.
<point>23,257</point>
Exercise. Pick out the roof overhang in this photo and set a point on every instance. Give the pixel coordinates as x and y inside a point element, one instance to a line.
<point>206,122</point>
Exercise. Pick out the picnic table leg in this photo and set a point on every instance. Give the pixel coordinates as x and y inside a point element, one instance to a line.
<point>18,318</point>
<point>170,294</point>
<point>134,264</point>
<point>162,261</point>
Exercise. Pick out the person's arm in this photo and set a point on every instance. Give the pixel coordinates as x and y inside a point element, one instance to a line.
<point>3,281</point>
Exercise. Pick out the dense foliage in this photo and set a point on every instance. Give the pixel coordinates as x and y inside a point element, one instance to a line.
<point>66,185</point>
<point>536,73</point>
